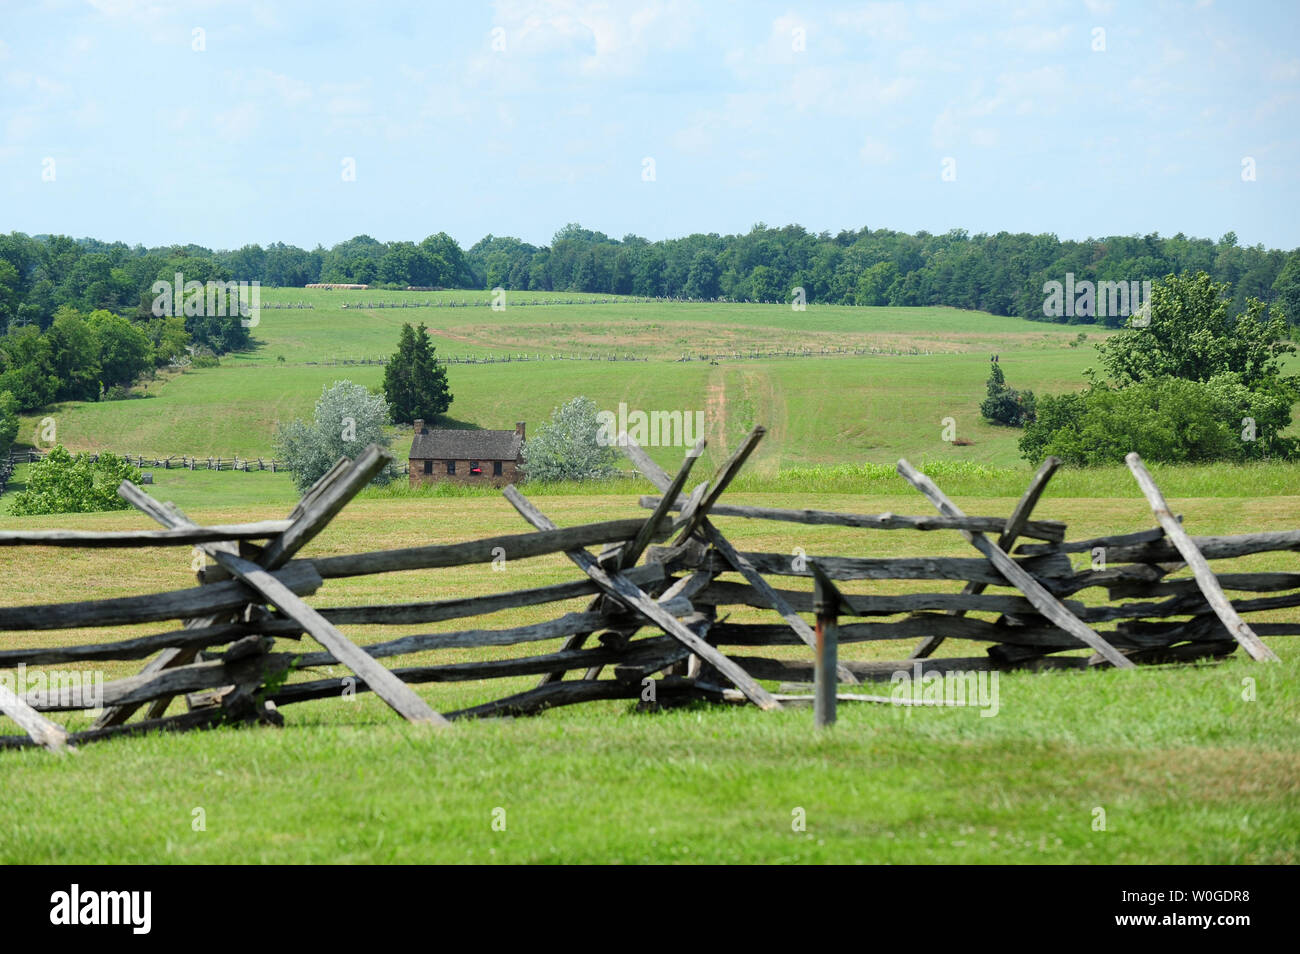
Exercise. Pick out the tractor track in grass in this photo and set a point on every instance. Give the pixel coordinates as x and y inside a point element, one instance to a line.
<point>715,411</point>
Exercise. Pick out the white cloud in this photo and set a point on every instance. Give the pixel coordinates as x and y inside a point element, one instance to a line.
<point>608,42</point>
<point>886,22</point>
<point>156,19</point>
<point>846,89</point>
<point>238,122</point>
<point>876,153</point>
<point>976,117</point>
<point>788,32</point>
<point>1028,39</point>
<point>89,113</point>
<point>264,82</point>
<point>922,59</point>
<point>1285,72</point>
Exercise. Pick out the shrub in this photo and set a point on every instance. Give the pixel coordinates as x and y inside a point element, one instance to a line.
<point>62,483</point>
<point>348,418</point>
<point>1189,383</point>
<point>568,448</point>
<point>1004,404</point>
<point>1165,419</point>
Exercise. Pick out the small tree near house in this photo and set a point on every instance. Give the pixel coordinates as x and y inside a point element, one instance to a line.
<point>1004,404</point>
<point>415,382</point>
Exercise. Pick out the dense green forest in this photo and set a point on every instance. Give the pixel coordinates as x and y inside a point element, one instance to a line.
<point>1003,273</point>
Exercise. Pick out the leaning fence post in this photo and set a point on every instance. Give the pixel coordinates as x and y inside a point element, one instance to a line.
<point>1192,556</point>
<point>826,604</point>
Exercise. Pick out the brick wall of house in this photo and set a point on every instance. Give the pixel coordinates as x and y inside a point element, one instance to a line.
<point>510,473</point>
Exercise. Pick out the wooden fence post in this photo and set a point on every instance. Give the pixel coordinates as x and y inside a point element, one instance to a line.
<point>826,604</point>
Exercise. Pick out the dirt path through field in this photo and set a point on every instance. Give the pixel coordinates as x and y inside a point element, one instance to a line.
<point>715,413</point>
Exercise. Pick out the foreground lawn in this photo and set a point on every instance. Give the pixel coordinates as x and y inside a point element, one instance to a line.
<point>1184,769</point>
<point>1186,763</point>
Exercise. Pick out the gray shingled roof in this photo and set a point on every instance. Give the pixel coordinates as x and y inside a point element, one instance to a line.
<point>465,445</point>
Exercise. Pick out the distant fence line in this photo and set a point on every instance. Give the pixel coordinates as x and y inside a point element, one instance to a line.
<point>487,302</point>
<point>512,302</point>
<point>824,352</point>
<point>176,462</point>
<point>827,352</point>
<point>171,462</point>
<point>484,359</point>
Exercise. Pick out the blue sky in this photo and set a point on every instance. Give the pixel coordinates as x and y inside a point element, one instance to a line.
<point>517,117</point>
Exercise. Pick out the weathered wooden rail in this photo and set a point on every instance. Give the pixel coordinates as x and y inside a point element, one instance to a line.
<point>674,610</point>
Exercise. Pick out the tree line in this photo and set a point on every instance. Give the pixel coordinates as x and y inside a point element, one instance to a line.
<point>1004,273</point>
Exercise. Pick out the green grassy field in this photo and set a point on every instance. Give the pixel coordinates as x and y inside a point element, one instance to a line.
<point>873,407</point>
<point>1186,769</point>
<point>1184,766</point>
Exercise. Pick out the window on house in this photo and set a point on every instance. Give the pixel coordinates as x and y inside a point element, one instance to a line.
<point>475,469</point>
<point>496,468</point>
<point>451,467</point>
<point>428,467</point>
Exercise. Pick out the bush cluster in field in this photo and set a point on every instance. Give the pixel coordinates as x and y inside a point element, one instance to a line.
<point>1187,382</point>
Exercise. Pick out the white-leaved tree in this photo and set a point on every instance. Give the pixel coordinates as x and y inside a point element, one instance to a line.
<point>568,448</point>
<point>348,418</point>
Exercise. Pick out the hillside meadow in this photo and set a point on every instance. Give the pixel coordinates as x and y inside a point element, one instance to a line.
<point>929,364</point>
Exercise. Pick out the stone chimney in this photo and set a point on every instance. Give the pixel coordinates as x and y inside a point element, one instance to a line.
<point>419,425</point>
<point>519,429</point>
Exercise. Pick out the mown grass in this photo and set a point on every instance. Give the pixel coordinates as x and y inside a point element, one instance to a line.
<point>1185,770</point>
<point>1185,767</point>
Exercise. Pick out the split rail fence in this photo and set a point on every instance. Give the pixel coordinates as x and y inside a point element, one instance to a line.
<point>170,462</point>
<point>660,594</point>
